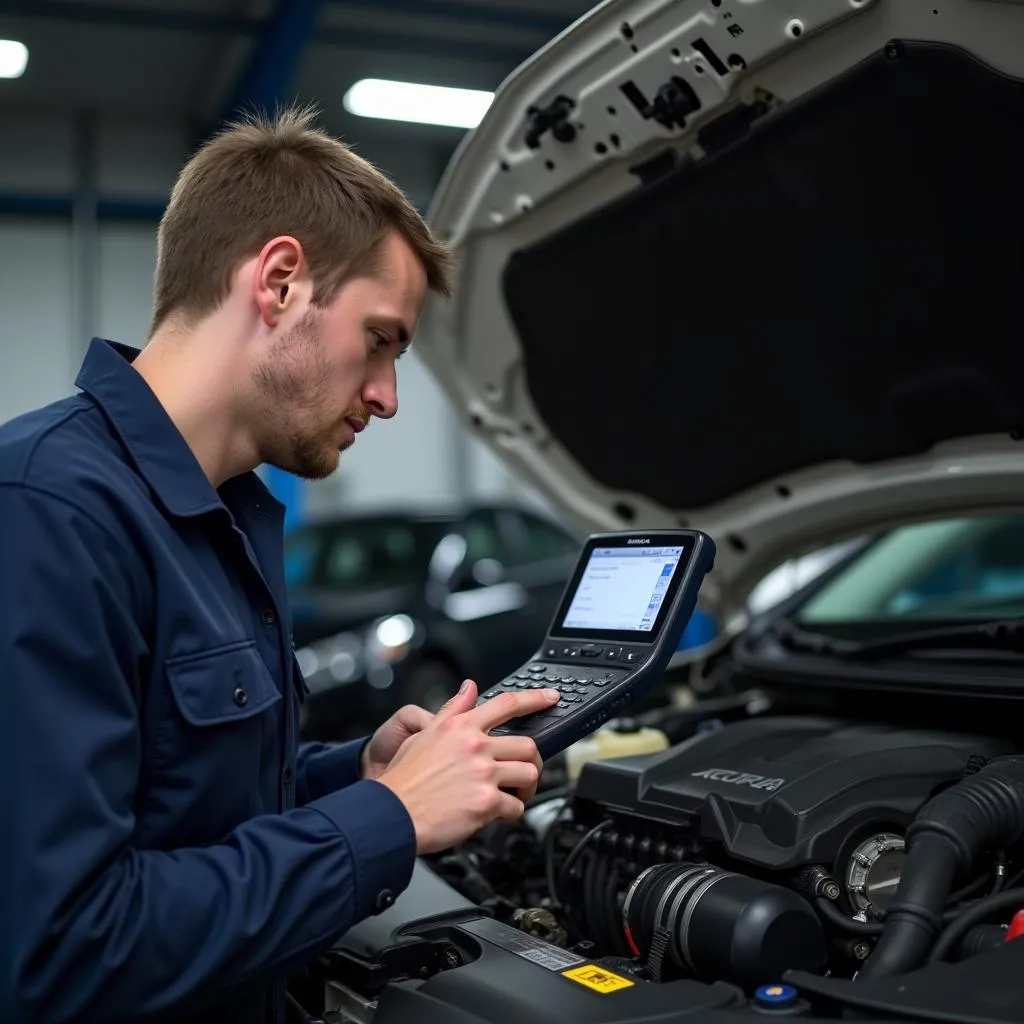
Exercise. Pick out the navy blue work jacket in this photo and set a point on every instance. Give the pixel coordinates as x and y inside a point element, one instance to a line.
<point>169,850</point>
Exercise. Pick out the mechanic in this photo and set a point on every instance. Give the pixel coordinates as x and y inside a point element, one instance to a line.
<point>171,852</point>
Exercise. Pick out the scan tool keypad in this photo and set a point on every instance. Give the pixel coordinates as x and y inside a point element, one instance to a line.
<point>575,683</point>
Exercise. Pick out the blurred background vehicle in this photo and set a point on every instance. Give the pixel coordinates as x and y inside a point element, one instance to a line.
<point>399,605</point>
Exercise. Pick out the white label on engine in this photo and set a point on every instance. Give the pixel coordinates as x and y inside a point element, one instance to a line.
<point>542,953</point>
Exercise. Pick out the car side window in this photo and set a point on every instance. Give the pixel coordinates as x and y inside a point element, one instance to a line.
<point>545,540</point>
<point>484,538</point>
<point>383,554</point>
<point>540,541</point>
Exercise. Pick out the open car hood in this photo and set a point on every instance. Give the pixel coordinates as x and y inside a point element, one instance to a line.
<point>752,267</point>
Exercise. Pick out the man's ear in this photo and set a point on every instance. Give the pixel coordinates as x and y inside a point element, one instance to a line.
<point>278,274</point>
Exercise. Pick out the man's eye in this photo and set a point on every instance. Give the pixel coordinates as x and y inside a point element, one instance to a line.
<point>380,341</point>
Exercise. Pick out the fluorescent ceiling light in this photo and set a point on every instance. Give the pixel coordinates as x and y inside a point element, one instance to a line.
<point>13,58</point>
<point>421,104</point>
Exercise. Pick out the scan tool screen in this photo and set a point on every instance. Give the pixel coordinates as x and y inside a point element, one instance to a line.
<point>622,589</point>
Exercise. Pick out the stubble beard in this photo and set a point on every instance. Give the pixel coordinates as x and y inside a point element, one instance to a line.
<point>293,380</point>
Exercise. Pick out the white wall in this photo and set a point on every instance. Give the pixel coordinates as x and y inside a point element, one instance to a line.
<point>423,453</point>
<point>37,358</point>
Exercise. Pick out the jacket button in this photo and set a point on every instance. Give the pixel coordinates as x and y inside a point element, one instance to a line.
<point>384,899</point>
<point>241,697</point>
<point>287,775</point>
<point>268,617</point>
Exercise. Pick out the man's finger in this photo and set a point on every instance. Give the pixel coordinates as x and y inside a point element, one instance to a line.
<point>513,704</point>
<point>515,775</point>
<point>413,718</point>
<point>462,701</point>
<point>514,748</point>
<point>519,779</point>
<point>525,793</point>
<point>511,809</point>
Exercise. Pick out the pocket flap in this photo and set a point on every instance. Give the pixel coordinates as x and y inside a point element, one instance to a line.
<point>224,685</point>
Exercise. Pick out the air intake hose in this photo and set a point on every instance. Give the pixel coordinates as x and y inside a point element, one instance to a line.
<point>983,811</point>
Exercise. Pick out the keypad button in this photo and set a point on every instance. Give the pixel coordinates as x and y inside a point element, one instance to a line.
<point>567,679</point>
<point>591,650</point>
<point>613,654</point>
<point>600,682</point>
<point>523,685</point>
<point>630,657</point>
<point>492,693</point>
<point>508,683</point>
<point>537,667</point>
<point>537,685</point>
<point>563,705</point>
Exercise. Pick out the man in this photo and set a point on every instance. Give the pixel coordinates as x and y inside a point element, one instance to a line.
<point>170,853</point>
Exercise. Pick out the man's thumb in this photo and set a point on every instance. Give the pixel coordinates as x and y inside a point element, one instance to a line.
<point>462,701</point>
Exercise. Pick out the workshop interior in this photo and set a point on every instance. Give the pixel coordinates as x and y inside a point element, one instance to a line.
<point>719,435</point>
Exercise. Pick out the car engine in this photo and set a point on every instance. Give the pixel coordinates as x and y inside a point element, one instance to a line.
<point>766,845</point>
<point>706,877</point>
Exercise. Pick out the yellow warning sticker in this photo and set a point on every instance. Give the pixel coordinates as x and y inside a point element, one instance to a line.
<point>598,978</point>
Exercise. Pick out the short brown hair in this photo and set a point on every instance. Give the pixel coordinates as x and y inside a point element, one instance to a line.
<point>265,176</point>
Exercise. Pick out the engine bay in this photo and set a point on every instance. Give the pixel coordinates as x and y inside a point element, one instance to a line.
<point>761,863</point>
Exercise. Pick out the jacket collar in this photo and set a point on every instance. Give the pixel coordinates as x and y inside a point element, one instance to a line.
<point>156,446</point>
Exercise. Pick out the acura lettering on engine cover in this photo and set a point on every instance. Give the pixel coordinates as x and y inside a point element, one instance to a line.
<point>735,778</point>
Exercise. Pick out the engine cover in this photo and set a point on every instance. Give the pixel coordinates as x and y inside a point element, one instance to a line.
<point>784,792</point>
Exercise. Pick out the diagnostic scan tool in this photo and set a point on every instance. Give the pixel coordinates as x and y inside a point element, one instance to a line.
<point>619,623</point>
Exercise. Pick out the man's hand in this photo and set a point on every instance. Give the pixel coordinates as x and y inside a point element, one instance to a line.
<point>384,744</point>
<point>454,777</point>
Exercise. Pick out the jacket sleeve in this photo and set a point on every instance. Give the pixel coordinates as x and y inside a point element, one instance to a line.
<point>321,768</point>
<point>91,928</point>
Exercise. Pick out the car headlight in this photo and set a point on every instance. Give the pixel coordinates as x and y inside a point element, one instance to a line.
<point>390,639</point>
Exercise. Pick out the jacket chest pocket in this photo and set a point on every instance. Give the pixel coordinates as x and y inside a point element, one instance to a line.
<point>221,725</point>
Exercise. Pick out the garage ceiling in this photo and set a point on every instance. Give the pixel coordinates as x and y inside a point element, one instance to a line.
<point>186,60</point>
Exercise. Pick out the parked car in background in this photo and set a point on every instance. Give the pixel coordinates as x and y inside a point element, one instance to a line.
<point>398,606</point>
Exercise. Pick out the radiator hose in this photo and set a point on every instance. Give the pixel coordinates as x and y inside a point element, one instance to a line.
<point>983,811</point>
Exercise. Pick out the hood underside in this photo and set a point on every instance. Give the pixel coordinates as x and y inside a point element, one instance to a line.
<point>751,267</point>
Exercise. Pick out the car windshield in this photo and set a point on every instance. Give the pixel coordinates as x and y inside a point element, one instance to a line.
<point>377,553</point>
<point>946,571</point>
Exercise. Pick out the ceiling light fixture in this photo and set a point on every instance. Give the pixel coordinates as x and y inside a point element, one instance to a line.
<point>13,58</point>
<point>419,104</point>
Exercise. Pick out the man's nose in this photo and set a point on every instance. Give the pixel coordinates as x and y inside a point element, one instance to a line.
<point>381,393</point>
